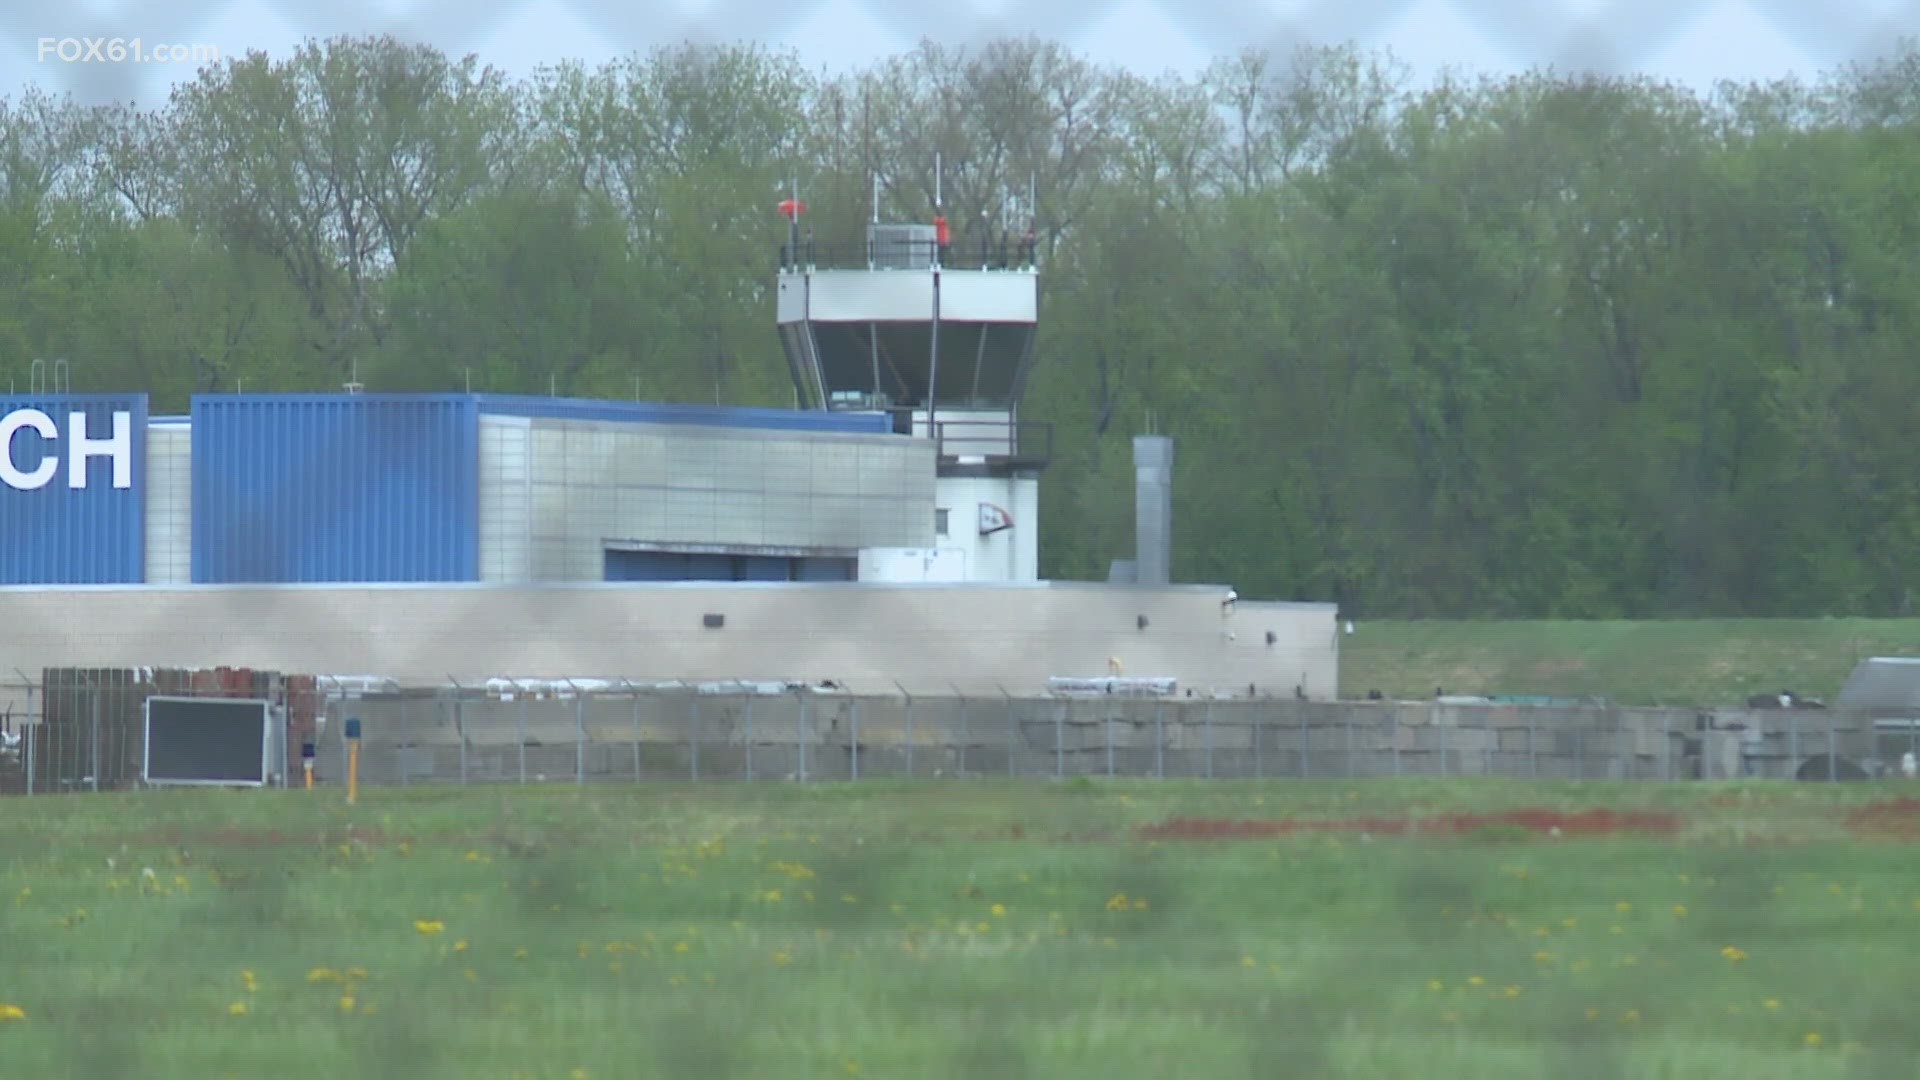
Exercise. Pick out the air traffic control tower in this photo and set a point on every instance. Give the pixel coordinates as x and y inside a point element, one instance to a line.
<point>942,339</point>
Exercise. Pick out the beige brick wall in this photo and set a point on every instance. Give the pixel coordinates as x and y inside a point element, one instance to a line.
<point>927,637</point>
<point>169,505</point>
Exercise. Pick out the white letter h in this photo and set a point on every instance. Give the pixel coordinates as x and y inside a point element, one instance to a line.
<point>119,446</point>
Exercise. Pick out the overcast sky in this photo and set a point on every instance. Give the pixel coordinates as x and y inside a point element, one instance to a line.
<point>1692,41</point>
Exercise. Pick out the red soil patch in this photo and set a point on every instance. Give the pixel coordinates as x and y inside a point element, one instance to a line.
<point>1540,822</point>
<point>1895,819</point>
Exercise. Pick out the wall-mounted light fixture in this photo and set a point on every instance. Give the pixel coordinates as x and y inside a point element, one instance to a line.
<point>713,620</point>
<point>1140,622</point>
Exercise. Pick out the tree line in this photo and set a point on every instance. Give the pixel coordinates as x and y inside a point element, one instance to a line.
<point>1547,346</point>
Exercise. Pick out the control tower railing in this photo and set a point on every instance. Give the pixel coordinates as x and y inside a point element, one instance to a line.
<point>901,254</point>
<point>1025,444</point>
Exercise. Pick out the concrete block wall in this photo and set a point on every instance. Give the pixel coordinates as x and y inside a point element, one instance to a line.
<point>828,736</point>
<point>169,489</point>
<point>927,639</point>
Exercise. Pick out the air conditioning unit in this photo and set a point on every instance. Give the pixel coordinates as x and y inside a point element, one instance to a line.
<point>858,401</point>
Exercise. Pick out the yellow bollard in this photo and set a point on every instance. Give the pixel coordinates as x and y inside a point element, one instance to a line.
<point>353,759</point>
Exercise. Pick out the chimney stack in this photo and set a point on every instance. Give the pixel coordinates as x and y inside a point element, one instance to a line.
<point>1153,508</point>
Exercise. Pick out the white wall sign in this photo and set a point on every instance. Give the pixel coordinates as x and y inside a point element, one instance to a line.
<point>993,519</point>
<point>80,446</point>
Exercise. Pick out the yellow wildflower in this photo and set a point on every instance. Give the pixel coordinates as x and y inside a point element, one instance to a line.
<point>429,927</point>
<point>12,1012</point>
<point>238,1008</point>
<point>999,911</point>
<point>1733,954</point>
<point>1813,1040</point>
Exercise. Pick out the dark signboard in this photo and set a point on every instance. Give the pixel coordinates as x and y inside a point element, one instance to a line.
<point>207,741</point>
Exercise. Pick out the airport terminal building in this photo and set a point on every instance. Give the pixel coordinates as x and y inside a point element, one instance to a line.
<point>377,488</point>
<point>886,531</point>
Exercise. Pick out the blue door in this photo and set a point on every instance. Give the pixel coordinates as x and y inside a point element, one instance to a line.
<point>678,566</point>
<point>646,566</point>
<point>823,569</point>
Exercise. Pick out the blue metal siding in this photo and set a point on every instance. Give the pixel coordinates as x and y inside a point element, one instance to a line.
<point>335,488</point>
<point>857,423</point>
<point>62,535</point>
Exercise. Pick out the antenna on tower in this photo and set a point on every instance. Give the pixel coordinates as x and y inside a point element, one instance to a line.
<point>353,385</point>
<point>793,220</point>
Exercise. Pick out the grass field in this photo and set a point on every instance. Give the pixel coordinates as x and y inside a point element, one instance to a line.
<point>978,929</point>
<point>1661,662</point>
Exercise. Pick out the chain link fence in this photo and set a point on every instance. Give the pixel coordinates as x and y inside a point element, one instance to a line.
<point>86,735</point>
<point>85,729</point>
